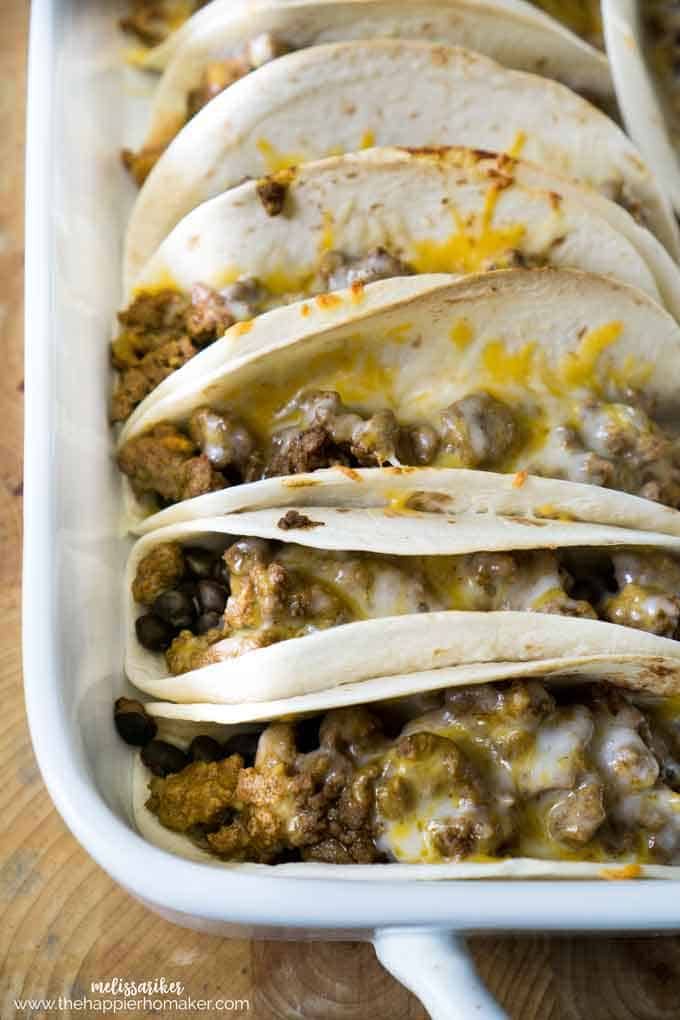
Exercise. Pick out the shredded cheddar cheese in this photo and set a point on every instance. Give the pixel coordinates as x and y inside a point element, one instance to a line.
<point>503,366</point>
<point>461,334</point>
<point>578,368</point>
<point>473,245</point>
<point>163,280</point>
<point>275,160</point>
<point>515,150</point>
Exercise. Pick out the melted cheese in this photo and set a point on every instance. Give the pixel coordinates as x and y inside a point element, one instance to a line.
<point>520,140</point>
<point>461,334</point>
<point>163,280</point>
<point>375,587</point>
<point>274,159</point>
<point>360,377</point>
<point>473,245</point>
<point>523,763</point>
<point>501,366</point>
<point>579,368</point>
<point>327,239</point>
<point>557,754</point>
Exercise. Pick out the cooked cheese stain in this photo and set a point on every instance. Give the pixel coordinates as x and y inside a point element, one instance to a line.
<point>163,280</point>
<point>241,328</point>
<point>461,334</point>
<point>502,366</point>
<point>578,368</point>
<point>515,150</point>
<point>327,239</point>
<point>274,159</point>
<point>474,246</point>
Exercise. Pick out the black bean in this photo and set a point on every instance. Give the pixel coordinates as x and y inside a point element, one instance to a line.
<point>176,608</point>
<point>221,573</point>
<point>307,734</point>
<point>163,759</point>
<point>153,633</point>
<point>133,724</point>
<point>244,744</point>
<point>200,562</point>
<point>190,588</point>
<point>206,622</point>
<point>206,749</point>
<point>211,596</point>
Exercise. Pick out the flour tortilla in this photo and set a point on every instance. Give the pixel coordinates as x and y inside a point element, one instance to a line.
<point>401,490</point>
<point>517,30</point>
<point>342,96</point>
<point>632,672</point>
<point>402,329</point>
<point>389,647</point>
<point>451,210</point>
<point>516,868</point>
<point>494,29</point>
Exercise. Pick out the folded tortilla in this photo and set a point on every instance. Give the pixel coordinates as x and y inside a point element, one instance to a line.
<point>387,595</point>
<point>554,367</point>
<point>514,27</point>
<point>517,779</point>
<point>225,44</point>
<point>631,672</point>
<point>451,210</point>
<point>341,97</point>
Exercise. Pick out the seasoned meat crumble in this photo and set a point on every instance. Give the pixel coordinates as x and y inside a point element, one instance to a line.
<point>160,333</point>
<point>261,592</point>
<point>163,329</point>
<point>495,771</point>
<point>614,445</point>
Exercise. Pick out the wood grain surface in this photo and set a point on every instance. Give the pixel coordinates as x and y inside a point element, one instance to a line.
<point>64,924</point>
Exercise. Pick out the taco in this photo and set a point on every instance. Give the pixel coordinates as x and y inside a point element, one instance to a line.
<point>175,33</point>
<point>272,604</point>
<point>341,97</point>
<point>526,372</point>
<point>550,775</point>
<point>225,45</point>
<point>389,212</point>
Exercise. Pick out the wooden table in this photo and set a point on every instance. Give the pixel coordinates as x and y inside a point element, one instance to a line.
<point>64,924</point>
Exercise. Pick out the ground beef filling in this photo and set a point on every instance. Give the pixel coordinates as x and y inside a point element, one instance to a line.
<point>617,446</point>
<point>161,331</point>
<point>203,606</point>
<point>501,770</point>
<point>215,77</point>
<point>614,445</point>
<point>477,431</point>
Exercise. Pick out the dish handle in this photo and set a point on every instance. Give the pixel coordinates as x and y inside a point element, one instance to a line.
<point>437,967</point>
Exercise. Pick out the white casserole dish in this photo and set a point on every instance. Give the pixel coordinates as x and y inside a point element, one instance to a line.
<point>82,108</point>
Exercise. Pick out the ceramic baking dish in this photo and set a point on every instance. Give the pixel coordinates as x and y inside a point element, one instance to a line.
<point>83,106</point>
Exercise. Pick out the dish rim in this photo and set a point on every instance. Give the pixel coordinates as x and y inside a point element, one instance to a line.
<point>192,890</point>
